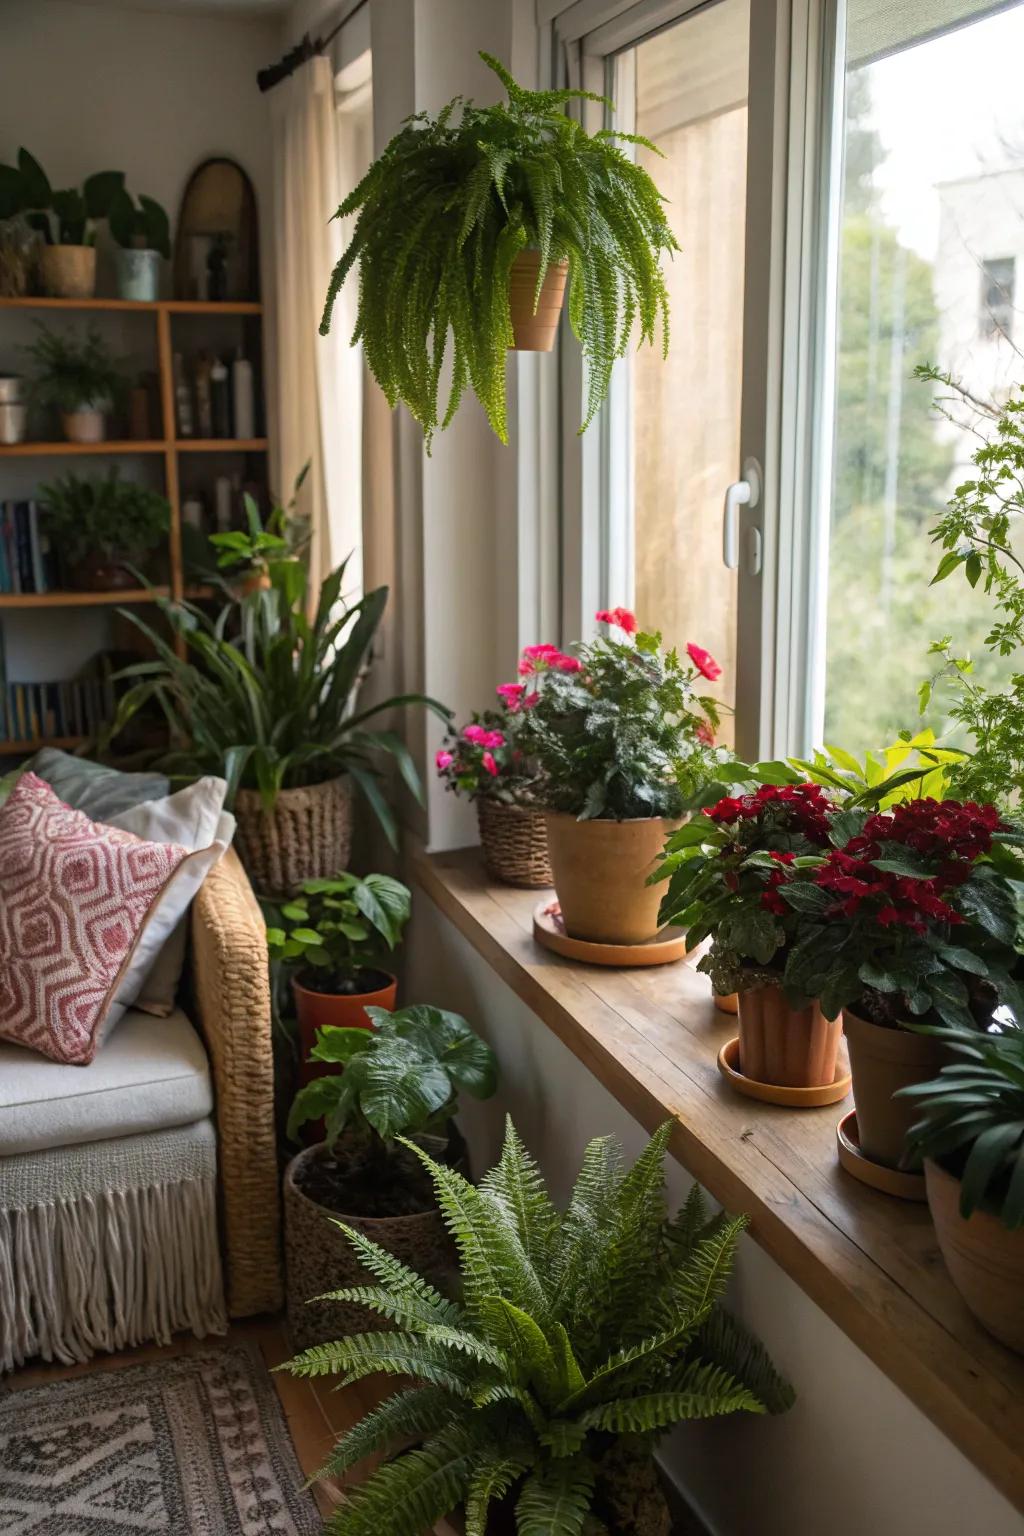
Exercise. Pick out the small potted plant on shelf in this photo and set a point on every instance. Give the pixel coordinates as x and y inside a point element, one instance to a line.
<point>580,1338</point>
<point>510,203</point>
<point>65,220</point>
<point>76,377</point>
<point>340,936</point>
<point>143,235</point>
<point>246,557</point>
<point>484,761</point>
<point>398,1091</point>
<point>103,526</point>
<point>620,739</point>
<point>969,1129</point>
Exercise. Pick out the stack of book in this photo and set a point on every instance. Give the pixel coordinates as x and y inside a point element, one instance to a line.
<point>78,706</point>
<point>28,560</point>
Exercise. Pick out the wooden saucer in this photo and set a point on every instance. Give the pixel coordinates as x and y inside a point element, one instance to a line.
<point>891,1181</point>
<point>548,929</point>
<point>778,1093</point>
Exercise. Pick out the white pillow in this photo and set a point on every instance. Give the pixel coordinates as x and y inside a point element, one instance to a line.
<point>195,819</point>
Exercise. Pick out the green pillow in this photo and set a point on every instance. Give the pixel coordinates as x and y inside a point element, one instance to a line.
<point>99,791</point>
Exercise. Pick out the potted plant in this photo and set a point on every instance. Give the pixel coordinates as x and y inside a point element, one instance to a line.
<point>143,235</point>
<point>970,1133</point>
<point>245,557</point>
<point>76,377</point>
<point>473,222</point>
<point>102,526</point>
<point>399,1088</point>
<point>265,697</point>
<point>620,738</point>
<point>482,760</point>
<point>579,1339</point>
<point>340,935</point>
<point>65,220</point>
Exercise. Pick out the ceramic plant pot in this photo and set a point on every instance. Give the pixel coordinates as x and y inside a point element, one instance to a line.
<point>316,1010</point>
<point>138,275</point>
<point>535,331</point>
<point>13,421</point>
<point>790,1047</point>
<point>600,870</point>
<point>102,573</point>
<point>882,1059</point>
<point>985,1259</point>
<point>68,271</point>
<point>86,425</point>
<point>514,843</point>
<point>306,836</point>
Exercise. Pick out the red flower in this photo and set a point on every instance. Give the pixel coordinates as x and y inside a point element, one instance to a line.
<point>563,663</point>
<point>625,620</point>
<point>531,699</point>
<point>511,695</point>
<point>704,733</point>
<point>476,734</point>
<point>490,764</point>
<point>705,663</point>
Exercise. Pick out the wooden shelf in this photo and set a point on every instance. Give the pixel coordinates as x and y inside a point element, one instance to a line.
<point>172,306</point>
<point>81,599</point>
<point>23,748</point>
<point>113,446</point>
<point>220,444</point>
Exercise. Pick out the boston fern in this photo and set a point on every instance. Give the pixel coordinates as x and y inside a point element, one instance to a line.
<point>574,1331</point>
<point>442,215</point>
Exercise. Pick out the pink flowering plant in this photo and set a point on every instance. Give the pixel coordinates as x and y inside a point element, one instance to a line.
<point>617,727</point>
<point>483,759</point>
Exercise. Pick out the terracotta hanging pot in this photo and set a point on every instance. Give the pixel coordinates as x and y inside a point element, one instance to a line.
<point>791,1047</point>
<point>535,329</point>
<point>884,1058</point>
<point>600,870</point>
<point>68,271</point>
<point>985,1259</point>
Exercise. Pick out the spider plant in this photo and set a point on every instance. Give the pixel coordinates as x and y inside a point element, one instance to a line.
<point>445,211</point>
<point>579,1336</point>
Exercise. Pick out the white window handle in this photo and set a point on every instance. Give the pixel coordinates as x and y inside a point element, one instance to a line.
<point>742,493</point>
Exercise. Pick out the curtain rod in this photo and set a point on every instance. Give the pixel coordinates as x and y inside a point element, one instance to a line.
<point>267,78</point>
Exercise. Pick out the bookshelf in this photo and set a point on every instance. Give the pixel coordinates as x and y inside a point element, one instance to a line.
<point>169,448</point>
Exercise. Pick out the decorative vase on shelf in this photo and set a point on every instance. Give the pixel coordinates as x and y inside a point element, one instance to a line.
<point>68,271</point>
<point>138,275</point>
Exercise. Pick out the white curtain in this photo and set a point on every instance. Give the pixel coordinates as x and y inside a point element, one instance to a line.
<point>319,379</point>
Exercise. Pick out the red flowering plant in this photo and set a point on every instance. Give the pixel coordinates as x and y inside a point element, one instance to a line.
<point>484,759</point>
<point>617,728</point>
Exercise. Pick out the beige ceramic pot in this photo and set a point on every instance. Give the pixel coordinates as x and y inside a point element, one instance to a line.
<point>68,271</point>
<point>791,1047</point>
<point>600,870</point>
<point>985,1259</point>
<point>884,1058</point>
<point>535,330</point>
<point>86,425</point>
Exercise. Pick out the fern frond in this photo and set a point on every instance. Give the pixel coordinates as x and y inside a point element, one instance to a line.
<point>724,1341</point>
<point>705,1392</point>
<point>403,1283</point>
<point>493,1476</point>
<point>433,1360</point>
<point>556,1498</point>
<point>407,1496</point>
<point>409,1415</point>
<point>516,1182</point>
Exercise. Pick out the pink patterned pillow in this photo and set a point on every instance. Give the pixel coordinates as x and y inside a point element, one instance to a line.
<point>74,899</point>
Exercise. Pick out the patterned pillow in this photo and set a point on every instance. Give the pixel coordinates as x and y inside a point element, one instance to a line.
<point>74,899</point>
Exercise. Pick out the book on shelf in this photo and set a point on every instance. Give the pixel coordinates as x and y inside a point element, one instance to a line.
<point>36,711</point>
<point>28,560</point>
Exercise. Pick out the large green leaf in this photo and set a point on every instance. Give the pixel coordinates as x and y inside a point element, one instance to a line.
<point>385,904</point>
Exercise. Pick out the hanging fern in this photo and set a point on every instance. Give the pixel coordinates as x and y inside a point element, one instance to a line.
<point>442,216</point>
<point>577,1333</point>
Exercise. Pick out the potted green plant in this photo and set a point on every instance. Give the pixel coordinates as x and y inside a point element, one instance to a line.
<point>265,697</point>
<point>485,761</point>
<point>970,1133</point>
<point>143,235</point>
<point>579,1339</point>
<point>620,738</point>
<point>246,556</point>
<point>78,378</point>
<point>399,1089</point>
<point>65,220</point>
<point>340,935</point>
<point>473,222</point>
<point>103,526</point>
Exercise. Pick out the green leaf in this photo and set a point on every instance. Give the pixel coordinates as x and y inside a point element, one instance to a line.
<point>556,1498</point>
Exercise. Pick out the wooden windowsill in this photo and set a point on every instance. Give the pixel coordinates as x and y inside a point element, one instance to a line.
<point>869,1261</point>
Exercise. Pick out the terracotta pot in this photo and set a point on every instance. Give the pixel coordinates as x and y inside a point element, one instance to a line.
<point>600,870</point>
<point>882,1059</point>
<point>985,1259</point>
<point>791,1047</point>
<point>101,573</point>
<point>319,1258</point>
<point>727,1002</point>
<point>315,1010</point>
<point>68,271</point>
<point>535,331</point>
<point>307,835</point>
<point>514,843</point>
<point>252,581</point>
<point>86,425</point>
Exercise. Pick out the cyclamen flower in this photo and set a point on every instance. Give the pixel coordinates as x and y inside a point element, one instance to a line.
<point>705,663</point>
<point>490,764</point>
<point>625,620</point>
<point>443,760</point>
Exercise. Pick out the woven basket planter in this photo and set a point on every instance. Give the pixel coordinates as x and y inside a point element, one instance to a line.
<point>307,836</point>
<point>514,842</point>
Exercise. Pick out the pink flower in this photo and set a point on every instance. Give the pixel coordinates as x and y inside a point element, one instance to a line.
<point>511,695</point>
<point>476,734</point>
<point>704,733</point>
<point>492,739</point>
<point>625,620</point>
<point>490,764</point>
<point>566,663</point>
<point>443,760</point>
<point>703,660</point>
<point>536,657</point>
<point>531,699</point>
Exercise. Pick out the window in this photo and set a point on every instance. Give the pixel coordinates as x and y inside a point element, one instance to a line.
<point>997,279</point>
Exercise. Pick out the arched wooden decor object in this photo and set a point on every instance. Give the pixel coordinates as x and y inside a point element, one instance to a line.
<point>216,248</point>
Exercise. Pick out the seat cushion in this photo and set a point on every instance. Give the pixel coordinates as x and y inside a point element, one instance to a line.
<point>150,1075</point>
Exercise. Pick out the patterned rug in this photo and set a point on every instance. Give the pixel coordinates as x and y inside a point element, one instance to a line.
<point>195,1446</point>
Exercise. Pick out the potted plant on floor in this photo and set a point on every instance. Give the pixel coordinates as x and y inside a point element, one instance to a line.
<point>620,739</point>
<point>509,204</point>
<point>339,938</point>
<point>143,235</point>
<point>103,526</point>
<point>266,698</point>
<point>65,220</point>
<point>398,1091</point>
<point>485,761</point>
<point>969,1129</point>
<point>579,1339</point>
<point>76,377</point>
